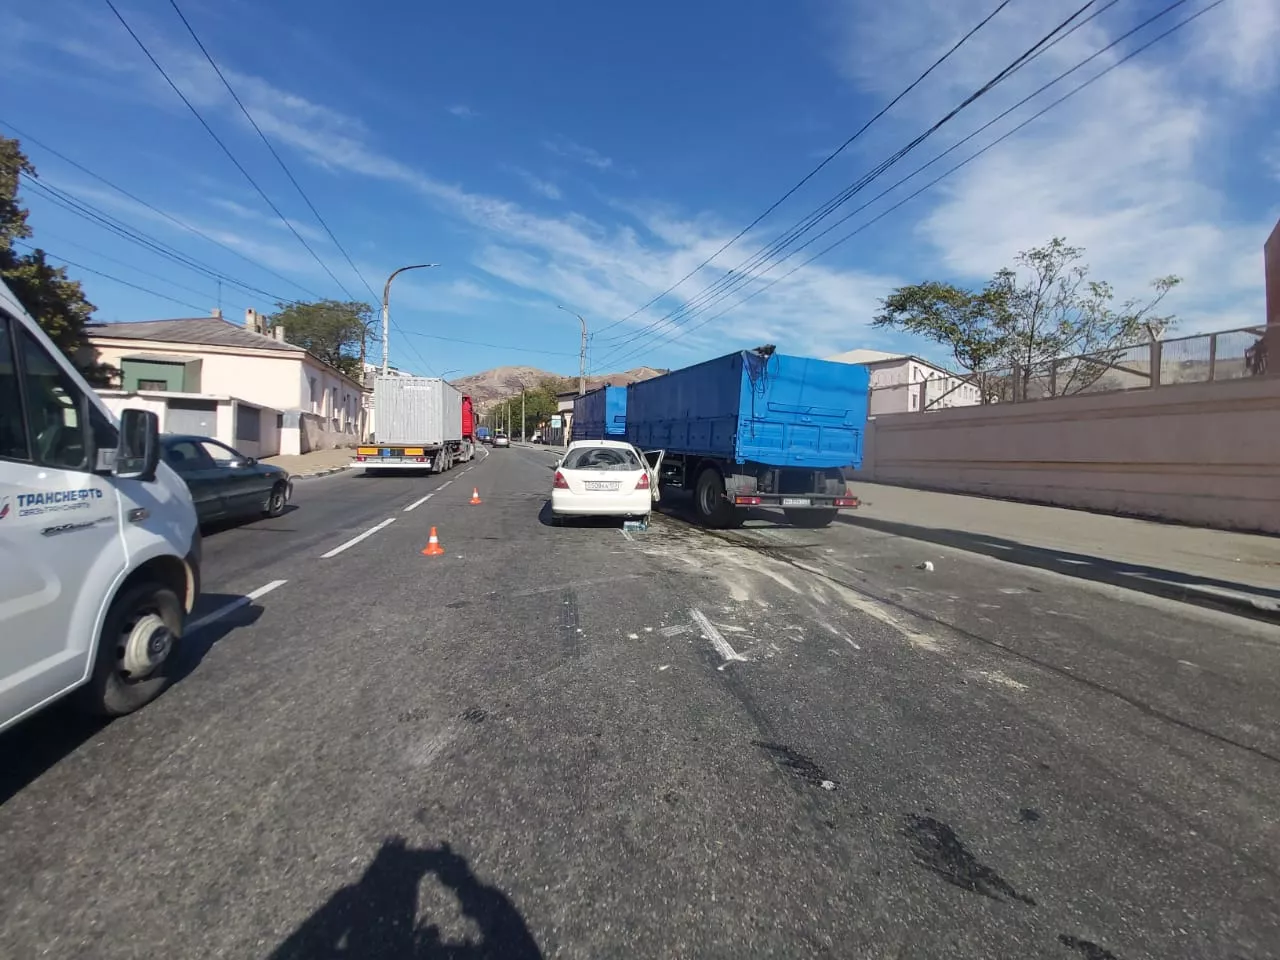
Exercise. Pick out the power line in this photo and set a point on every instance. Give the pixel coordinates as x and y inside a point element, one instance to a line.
<point>124,230</point>
<point>27,138</point>
<point>81,266</point>
<point>287,172</point>
<point>812,173</point>
<point>738,276</point>
<point>230,156</point>
<point>1005,136</point>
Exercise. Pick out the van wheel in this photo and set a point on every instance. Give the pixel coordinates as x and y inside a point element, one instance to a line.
<point>811,519</point>
<point>275,501</point>
<point>708,496</point>
<point>138,643</point>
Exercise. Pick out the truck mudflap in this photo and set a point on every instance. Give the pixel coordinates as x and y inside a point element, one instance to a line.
<point>808,501</point>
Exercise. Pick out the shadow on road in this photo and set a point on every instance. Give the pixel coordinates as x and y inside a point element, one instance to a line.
<point>376,918</point>
<point>41,741</point>
<point>548,519</point>
<point>1134,576</point>
<point>214,527</point>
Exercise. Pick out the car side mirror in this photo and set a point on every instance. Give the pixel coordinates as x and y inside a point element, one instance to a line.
<point>241,462</point>
<point>138,452</point>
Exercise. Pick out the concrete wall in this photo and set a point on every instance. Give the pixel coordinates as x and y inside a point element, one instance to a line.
<point>1206,453</point>
<point>267,444</point>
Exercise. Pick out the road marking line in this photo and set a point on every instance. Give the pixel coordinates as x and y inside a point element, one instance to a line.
<point>354,540</point>
<point>419,502</point>
<point>627,534</point>
<point>715,636</point>
<point>234,605</point>
<point>443,485</point>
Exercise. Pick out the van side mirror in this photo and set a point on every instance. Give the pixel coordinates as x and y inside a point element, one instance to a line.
<point>139,450</point>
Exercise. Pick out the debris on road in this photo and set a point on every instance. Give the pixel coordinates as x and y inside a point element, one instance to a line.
<point>926,566</point>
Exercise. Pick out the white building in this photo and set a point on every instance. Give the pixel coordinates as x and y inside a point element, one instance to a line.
<point>251,387</point>
<point>902,383</point>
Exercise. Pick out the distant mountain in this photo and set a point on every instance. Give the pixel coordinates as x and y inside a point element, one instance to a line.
<point>490,385</point>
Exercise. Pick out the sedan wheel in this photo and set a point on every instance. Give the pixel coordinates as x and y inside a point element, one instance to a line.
<point>275,501</point>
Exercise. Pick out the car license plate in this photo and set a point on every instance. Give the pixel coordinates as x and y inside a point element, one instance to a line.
<point>796,502</point>
<point>601,485</point>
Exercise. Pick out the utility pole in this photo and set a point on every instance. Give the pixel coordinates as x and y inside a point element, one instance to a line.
<point>386,313</point>
<point>523,421</point>
<point>582,352</point>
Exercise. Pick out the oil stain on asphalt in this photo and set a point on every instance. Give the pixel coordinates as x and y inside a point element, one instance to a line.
<point>797,764</point>
<point>1088,948</point>
<point>937,848</point>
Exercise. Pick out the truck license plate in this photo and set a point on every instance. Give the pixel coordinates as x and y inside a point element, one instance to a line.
<point>796,502</point>
<point>601,485</point>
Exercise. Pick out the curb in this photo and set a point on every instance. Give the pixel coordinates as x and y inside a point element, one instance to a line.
<point>320,473</point>
<point>1223,599</point>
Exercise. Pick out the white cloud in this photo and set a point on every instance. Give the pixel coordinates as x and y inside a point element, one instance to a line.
<point>544,188</point>
<point>463,112</point>
<point>1130,169</point>
<point>244,212</point>
<point>576,151</point>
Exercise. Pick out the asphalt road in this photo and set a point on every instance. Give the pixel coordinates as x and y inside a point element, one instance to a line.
<point>575,742</point>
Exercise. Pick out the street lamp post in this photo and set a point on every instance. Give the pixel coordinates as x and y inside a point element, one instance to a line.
<point>386,312</point>
<point>582,353</point>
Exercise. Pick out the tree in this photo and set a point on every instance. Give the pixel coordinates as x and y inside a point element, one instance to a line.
<point>55,300</point>
<point>1026,318</point>
<point>336,331</point>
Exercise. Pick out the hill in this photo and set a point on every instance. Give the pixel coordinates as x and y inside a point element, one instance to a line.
<point>489,385</point>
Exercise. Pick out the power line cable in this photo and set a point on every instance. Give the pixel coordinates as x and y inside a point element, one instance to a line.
<point>741,273</point>
<point>81,266</point>
<point>124,230</point>
<point>27,138</point>
<point>254,123</point>
<point>230,156</point>
<point>812,173</point>
<point>1005,136</point>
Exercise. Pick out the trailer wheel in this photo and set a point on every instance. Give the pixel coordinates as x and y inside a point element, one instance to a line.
<point>708,496</point>
<point>811,519</point>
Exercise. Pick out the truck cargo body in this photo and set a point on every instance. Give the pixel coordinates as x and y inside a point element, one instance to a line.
<point>749,430</point>
<point>418,425</point>
<point>600,414</point>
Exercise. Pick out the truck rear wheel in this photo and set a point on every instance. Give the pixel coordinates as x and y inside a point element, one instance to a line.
<point>137,645</point>
<point>811,519</point>
<point>713,510</point>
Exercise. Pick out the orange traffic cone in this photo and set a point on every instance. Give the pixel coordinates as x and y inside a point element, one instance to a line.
<point>475,495</point>
<point>433,548</point>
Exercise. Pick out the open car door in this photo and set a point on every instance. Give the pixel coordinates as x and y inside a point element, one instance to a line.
<point>653,463</point>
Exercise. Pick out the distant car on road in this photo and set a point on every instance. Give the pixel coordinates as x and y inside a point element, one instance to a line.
<point>536,438</point>
<point>501,440</point>
<point>225,483</point>
<point>604,478</point>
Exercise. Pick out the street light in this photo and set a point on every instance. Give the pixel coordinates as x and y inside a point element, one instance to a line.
<point>386,312</point>
<point>582,354</point>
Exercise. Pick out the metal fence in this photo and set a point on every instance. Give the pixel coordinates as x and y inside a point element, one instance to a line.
<point>1200,358</point>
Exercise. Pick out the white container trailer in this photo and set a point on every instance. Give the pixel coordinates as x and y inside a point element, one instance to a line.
<point>417,425</point>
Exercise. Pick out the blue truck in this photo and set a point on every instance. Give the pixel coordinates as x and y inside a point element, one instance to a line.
<point>754,428</point>
<point>601,414</point>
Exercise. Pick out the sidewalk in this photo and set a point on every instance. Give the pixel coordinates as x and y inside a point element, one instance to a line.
<point>1239,572</point>
<point>317,463</point>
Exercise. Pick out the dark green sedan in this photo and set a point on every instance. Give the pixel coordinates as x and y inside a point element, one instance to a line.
<point>225,483</point>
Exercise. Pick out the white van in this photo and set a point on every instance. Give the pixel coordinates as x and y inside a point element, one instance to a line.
<point>99,545</point>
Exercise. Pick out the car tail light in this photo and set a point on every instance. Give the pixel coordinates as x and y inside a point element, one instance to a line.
<point>643,482</point>
<point>359,459</point>
<point>846,501</point>
<point>747,501</point>
<point>560,482</point>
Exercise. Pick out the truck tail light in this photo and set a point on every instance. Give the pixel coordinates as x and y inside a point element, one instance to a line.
<point>359,459</point>
<point>747,501</point>
<point>643,482</point>
<point>560,482</point>
<point>846,501</point>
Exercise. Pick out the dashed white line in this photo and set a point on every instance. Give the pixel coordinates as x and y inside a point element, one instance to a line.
<point>717,639</point>
<point>627,533</point>
<point>354,540</point>
<point>234,605</point>
<point>419,502</point>
<point>443,485</point>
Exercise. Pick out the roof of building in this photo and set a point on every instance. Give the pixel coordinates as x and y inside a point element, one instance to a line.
<point>867,356</point>
<point>213,331</point>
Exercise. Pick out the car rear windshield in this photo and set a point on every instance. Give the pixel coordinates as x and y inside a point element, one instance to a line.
<point>601,458</point>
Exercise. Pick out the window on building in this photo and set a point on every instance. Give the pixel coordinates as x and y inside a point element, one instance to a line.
<point>153,385</point>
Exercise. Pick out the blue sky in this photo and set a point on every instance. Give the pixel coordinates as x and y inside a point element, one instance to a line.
<point>592,154</point>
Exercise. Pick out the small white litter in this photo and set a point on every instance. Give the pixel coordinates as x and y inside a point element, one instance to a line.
<point>665,666</point>
<point>648,629</point>
<point>828,785</point>
<point>927,566</point>
<point>633,636</point>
